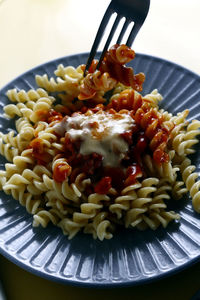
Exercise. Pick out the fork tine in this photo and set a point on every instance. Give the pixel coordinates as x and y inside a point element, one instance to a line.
<point>133,11</point>
<point>99,35</point>
<point>114,27</point>
<point>133,33</point>
<point>126,23</point>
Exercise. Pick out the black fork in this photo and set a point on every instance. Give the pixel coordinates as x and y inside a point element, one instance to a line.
<point>133,11</point>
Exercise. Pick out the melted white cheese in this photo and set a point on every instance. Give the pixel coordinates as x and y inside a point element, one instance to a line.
<point>100,133</point>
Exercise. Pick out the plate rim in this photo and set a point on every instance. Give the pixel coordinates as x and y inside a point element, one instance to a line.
<point>100,285</point>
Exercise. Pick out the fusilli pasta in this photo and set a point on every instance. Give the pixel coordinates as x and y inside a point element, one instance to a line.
<point>84,165</point>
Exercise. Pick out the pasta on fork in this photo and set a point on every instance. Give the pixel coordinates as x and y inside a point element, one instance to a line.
<point>91,153</point>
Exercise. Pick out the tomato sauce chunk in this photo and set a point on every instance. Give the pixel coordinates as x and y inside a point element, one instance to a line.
<point>103,185</point>
<point>132,173</point>
<point>61,171</point>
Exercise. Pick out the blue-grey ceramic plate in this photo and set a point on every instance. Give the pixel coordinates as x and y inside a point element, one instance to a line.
<point>131,257</point>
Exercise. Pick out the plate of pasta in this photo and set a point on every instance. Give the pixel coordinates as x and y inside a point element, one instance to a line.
<point>99,173</point>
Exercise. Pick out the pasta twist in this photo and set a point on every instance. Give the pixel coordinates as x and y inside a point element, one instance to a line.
<point>100,227</point>
<point>178,190</point>
<point>39,180</point>
<point>155,214</point>
<point>193,130</point>
<point>139,205</point>
<point>180,118</point>
<point>157,134</point>
<point>123,202</point>
<point>51,85</point>
<point>7,150</point>
<point>70,227</point>
<point>69,74</point>
<point>61,169</point>
<point>42,104</point>
<point>82,182</point>
<point>179,143</point>
<point>153,98</point>
<point>14,170</point>
<point>22,139</point>
<point>189,177</point>
<point>165,170</point>
<point>23,96</point>
<point>159,196</point>
<point>154,219</point>
<point>17,188</point>
<point>25,133</point>
<point>68,81</point>
<point>23,160</point>
<point>113,63</point>
<point>43,147</point>
<point>19,109</point>
<point>127,99</point>
<point>40,126</point>
<point>177,136</point>
<point>43,217</point>
<point>120,54</point>
<point>98,198</point>
<point>95,82</point>
<point>63,192</point>
<point>88,211</point>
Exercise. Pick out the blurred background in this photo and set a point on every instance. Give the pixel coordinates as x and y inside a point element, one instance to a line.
<point>35,31</point>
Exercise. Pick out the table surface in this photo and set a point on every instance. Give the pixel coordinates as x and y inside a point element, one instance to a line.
<point>36,31</point>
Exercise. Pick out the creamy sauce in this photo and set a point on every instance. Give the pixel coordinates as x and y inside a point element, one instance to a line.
<point>100,133</point>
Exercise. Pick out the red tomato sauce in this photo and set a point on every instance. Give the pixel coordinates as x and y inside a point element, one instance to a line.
<point>103,186</point>
<point>61,171</point>
<point>148,135</point>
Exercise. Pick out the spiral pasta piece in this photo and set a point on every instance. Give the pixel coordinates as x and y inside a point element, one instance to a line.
<point>178,190</point>
<point>70,227</point>
<point>96,82</point>
<point>139,205</point>
<point>123,202</point>
<point>22,139</point>
<point>42,104</point>
<point>113,63</point>
<point>189,177</point>
<point>20,110</point>
<point>165,170</point>
<point>153,98</point>
<point>155,219</point>
<point>67,80</point>
<point>7,150</point>
<point>193,130</point>
<point>23,96</point>
<point>160,196</point>
<point>100,227</point>
<point>69,73</point>
<point>18,191</point>
<point>82,182</point>
<point>43,217</point>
